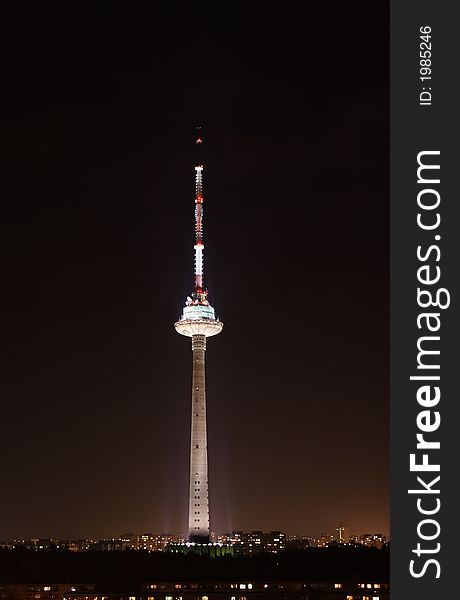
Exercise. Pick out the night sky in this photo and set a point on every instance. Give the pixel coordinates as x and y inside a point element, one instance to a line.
<point>99,107</point>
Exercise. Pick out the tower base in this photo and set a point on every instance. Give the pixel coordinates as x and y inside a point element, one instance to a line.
<point>199,539</point>
<point>210,550</point>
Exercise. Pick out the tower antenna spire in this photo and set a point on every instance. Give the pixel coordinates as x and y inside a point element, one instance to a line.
<point>200,293</point>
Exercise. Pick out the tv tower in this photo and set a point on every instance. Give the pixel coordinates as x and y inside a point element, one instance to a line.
<point>198,321</point>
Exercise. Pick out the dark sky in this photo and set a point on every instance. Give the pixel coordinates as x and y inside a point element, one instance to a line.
<point>99,107</point>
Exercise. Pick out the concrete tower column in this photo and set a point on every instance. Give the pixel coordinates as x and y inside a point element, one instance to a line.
<point>198,499</point>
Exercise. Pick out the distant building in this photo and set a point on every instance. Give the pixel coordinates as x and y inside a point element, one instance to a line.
<point>169,538</point>
<point>324,540</point>
<point>80,545</point>
<point>354,539</point>
<point>32,543</point>
<point>255,542</point>
<point>341,534</point>
<point>144,541</point>
<point>295,542</point>
<point>109,544</point>
<point>129,541</point>
<point>223,538</point>
<point>274,541</point>
<point>373,539</point>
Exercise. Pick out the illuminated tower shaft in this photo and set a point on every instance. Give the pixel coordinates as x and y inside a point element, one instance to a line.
<point>198,321</point>
<point>198,515</point>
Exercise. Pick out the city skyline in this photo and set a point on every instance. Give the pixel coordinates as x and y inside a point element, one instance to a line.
<point>98,145</point>
<point>272,541</point>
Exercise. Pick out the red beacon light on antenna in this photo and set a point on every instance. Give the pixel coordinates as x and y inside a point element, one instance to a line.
<point>199,141</point>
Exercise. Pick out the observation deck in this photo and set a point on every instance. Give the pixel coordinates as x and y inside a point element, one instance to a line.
<point>198,319</point>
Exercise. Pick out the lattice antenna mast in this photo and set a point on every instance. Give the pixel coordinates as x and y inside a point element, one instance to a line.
<point>200,293</point>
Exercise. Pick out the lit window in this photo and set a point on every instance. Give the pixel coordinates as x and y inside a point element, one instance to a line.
<point>337,586</point>
<point>47,588</point>
<point>242,586</point>
<point>375,598</point>
<point>369,585</point>
<point>377,586</point>
<point>204,598</point>
<point>349,597</point>
<point>249,586</point>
